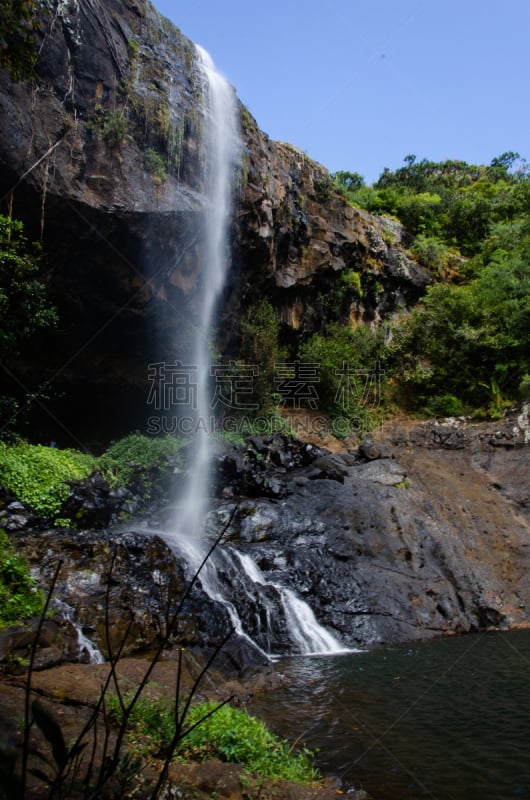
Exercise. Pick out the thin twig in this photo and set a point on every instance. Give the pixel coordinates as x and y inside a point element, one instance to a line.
<point>27,722</point>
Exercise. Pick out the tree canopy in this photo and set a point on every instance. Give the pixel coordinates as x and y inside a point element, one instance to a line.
<point>467,345</point>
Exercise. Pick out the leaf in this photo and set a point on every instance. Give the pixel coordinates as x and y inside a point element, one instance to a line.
<point>51,731</point>
<point>41,775</point>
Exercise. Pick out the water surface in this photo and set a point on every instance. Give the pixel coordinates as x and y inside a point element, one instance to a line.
<point>448,719</point>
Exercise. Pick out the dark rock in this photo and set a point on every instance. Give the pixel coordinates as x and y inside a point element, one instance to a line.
<point>371,450</point>
<point>331,467</point>
<point>57,643</point>
<point>142,582</point>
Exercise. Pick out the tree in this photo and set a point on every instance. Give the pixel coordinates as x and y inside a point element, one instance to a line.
<point>347,181</point>
<point>260,348</point>
<point>24,307</point>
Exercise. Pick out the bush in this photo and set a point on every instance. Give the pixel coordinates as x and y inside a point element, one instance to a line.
<point>19,597</point>
<point>38,475</point>
<point>349,369</point>
<point>123,459</point>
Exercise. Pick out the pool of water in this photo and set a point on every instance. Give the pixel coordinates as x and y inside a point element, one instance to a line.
<point>449,719</point>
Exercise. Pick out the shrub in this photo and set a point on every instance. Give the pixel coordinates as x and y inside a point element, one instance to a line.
<point>19,597</point>
<point>156,165</point>
<point>38,475</point>
<point>123,459</point>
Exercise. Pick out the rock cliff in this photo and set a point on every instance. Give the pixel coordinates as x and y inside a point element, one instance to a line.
<point>100,155</point>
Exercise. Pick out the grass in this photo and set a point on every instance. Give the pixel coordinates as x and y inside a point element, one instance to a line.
<point>226,733</point>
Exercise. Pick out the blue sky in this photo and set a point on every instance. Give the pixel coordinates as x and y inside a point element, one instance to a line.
<point>360,85</point>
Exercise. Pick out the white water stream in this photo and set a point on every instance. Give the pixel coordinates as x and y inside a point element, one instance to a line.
<point>222,152</point>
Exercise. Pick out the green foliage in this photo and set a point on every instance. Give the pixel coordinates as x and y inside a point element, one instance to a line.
<point>151,723</point>
<point>122,461</point>
<point>115,127</point>
<point>434,254</point>
<point>156,165</point>
<point>24,309</point>
<point>210,731</point>
<point>466,346</point>
<point>18,48</point>
<point>345,181</point>
<point>250,426</point>
<point>260,347</point>
<point>235,736</point>
<point>349,362</point>
<point>38,475</point>
<point>19,596</point>
<point>469,341</point>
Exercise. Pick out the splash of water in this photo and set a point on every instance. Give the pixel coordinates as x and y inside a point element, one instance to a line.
<point>222,151</point>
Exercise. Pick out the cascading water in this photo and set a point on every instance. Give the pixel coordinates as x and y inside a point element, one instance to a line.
<point>268,615</point>
<point>221,152</point>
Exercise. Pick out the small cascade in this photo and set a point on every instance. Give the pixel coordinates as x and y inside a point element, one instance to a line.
<point>266,614</point>
<point>87,650</point>
<point>308,636</point>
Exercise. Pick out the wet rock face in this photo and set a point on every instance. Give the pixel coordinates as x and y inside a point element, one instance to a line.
<point>418,536</point>
<point>137,583</point>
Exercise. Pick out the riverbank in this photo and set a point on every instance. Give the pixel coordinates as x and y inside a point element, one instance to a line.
<point>69,694</point>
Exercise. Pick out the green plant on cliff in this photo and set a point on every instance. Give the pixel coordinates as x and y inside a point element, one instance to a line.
<point>18,47</point>
<point>114,127</point>
<point>156,165</point>
<point>261,351</point>
<point>19,596</point>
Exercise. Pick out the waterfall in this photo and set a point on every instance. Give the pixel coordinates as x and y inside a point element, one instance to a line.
<point>267,615</point>
<point>306,634</point>
<point>221,152</point>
